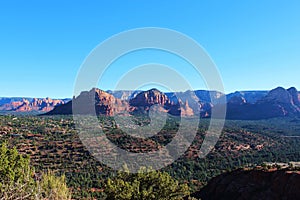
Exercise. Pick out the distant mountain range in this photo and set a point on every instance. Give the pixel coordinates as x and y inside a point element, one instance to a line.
<point>242,105</point>
<point>23,104</point>
<point>278,102</point>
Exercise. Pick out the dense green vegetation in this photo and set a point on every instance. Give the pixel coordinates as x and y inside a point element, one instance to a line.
<point>52,143</point>
<point>145,185</point>
<point>19,180</point>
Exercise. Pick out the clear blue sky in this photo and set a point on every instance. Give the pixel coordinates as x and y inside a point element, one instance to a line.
<point>255,44</point>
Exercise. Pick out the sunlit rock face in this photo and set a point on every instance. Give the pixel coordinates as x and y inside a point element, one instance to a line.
<point>278,102</point>
<point>32,104</point>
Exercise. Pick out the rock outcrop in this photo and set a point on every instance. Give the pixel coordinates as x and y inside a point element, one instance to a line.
<point>252,185</point>
<point>103,103</point>
<point>90,102</point>
<point>237,100</point>
<point>149,98</point>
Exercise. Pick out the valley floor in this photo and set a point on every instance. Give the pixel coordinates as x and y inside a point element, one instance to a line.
<point>53,143</point>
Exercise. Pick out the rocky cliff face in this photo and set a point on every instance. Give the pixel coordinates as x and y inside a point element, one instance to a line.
<point>252,185</point>
<point>250,96</point>
<point>149,98</point>
<point>186,110</point>
<point>93,101</point>
<point>278,95</point>
<point>279,102</point>
<point>124,94</point>
<point>294,96</point>
<point>237,100</point>
<point>184,104</point>
<point>106,104</point>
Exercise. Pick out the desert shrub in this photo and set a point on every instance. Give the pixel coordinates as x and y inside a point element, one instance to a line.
<point>16,175</point>
<point>145,185</point>
<point>53,187</point>
<point>17,179</point>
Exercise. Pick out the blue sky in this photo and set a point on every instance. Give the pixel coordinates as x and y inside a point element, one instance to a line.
<point>255,44</point>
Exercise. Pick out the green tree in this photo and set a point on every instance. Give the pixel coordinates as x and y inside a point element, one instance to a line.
<point>145,185</point>
<point>17,179</point>
<point>16,175</point>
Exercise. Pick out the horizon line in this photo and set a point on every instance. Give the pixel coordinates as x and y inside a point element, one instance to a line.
<point>131,90</point>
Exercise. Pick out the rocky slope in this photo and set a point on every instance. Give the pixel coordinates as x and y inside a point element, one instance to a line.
<point>253,185</point>
<point>279,102</point>
<point>90,101</point>
<point>106,104</point>
<point>249,96</point>
<point>124,94</point>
